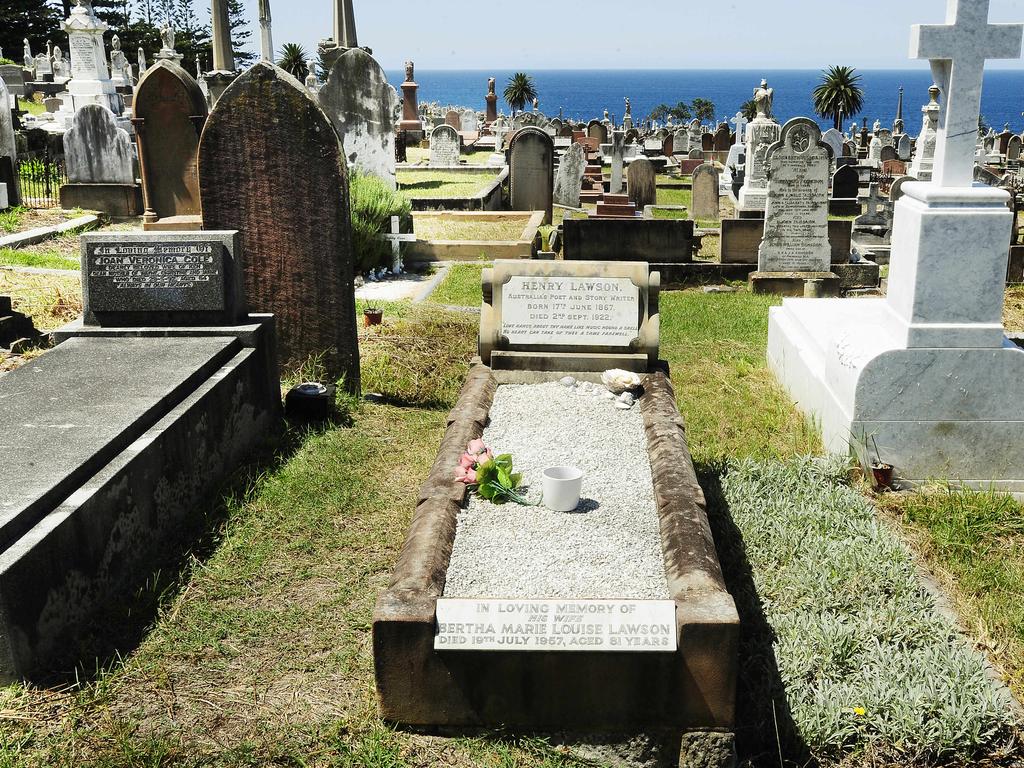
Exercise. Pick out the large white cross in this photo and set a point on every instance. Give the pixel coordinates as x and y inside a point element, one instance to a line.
<point>957,51</point>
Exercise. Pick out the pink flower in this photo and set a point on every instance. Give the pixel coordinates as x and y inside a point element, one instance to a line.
<point>464,475</point>
<point>467,461</point>
<point>476,447</point>
<point>484,457</point>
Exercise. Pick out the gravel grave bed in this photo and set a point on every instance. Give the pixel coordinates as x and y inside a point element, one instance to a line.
<point>610,548</point>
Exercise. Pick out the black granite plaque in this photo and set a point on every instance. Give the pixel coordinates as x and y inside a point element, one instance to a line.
<point>160,277</point>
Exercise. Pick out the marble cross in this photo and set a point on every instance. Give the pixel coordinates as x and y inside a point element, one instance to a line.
<point>957,51</point>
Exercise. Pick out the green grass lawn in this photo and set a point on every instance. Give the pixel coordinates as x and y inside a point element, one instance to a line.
<point>416,155</point>
<point>442,184</point>
<point>675,197</point>
<point>431,227</point>
<point>260,652</point>
<point>51,259</point>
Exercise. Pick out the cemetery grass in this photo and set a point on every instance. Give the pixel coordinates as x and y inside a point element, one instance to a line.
<point>461,287</point>
<point>19,219</point>
<point>443,228</point>
<point>434,185</point>
<point>51,300</point>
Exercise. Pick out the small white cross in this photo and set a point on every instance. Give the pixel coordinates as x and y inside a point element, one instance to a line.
<point>396,241</point>
<point>957,51</point>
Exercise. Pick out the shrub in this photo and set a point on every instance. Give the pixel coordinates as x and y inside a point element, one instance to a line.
<point>373,204</point>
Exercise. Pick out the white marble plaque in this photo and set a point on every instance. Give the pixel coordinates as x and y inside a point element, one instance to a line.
<point>83,56</point>
<point>573,311</point>
<point>631,626</point>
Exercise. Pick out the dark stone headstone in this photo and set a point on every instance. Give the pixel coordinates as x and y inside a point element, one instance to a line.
<point>531,171</point>
<point>641,183</point>
<point>8,149</point>
<point>14,76</point>
<point>722,139</point>
<point>707,142</point>
<point>162,279</point>
<point>845,183</point>
<point>169,114</point>
<point>271,166</point>
<point>658,241</point>
<point>888,153</point>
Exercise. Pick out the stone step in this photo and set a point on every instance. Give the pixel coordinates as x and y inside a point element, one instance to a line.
<point>617,200</point>
<point>617,211</point>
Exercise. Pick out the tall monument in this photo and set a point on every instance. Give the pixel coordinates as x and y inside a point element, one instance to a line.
<point>90,79</point>
<point>492,102</point>
<point>223,73</point>
<point>345,36</point>
<point>266,32</point>
<point>927,372</point>
<point>410,105</point>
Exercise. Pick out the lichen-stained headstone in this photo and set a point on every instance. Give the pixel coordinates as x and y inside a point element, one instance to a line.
<point>271,166</point>
<point>364,109</point>
<point>531,171</point>
<point>796,215</point>
<point>96,151</point>
<point>569,180</point>
<point>445,147</point>
<point>168,114</point>
<point>641,183</point>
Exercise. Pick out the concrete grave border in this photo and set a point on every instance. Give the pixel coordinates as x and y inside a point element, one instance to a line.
<point>469,250</point>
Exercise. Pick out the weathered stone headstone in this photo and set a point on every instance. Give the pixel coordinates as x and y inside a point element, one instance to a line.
<point>569,180</point>
<point>453,119</point>
<point>641,183</point>
<point>722,138</point>
<point>444,146</point>
<point>896,188</point>
<point>96,151</point>
<point>364,110</point>
<point>796,214</point>
<point>618,162</point>
<point>531,171</point>
<point>168,114</point>
<point>904,147</point>
<point>470,122</point>
<point>707,142</point>
<point>8,150</point>
<point>271,166</point>
<point>894,168</point>
<point>13,76</point>
<point>597,130</point>
<point>888,154</point>
<point>835,141</point>
<point>704,204</point>
<point>681,142</point>
<point>1013,148</point>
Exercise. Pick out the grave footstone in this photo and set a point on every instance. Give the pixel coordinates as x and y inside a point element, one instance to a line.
<point>796,213</point>
<point>531,171</point>
<point>268,150</point>
<point>100,162</point>
<point>364,109</point>
<point>569,180</point>
<point>168,116</point>
<point>641,183</point>
<point>704,204</point>
<point>444,147</point>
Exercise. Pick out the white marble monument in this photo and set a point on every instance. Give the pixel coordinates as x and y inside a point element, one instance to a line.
<point>762,132</point>
<point>90,79</point>
<point>927,371</point>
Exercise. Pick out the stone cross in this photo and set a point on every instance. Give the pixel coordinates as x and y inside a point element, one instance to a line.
<point>396,239</point>
<point>957,51</point>
<point>740,121</point>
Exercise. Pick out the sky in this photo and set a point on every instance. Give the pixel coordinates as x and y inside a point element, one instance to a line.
<point>612,34</point>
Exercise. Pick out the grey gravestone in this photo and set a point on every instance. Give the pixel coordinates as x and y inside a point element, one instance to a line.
<point>704,204</point>
<point>1013,148</point>
<point>904,147</point>
<point>597,130</point>
<point>96,151</point>
<point>695,154</point>
<point>165,278</point>
<point>845,183</point>
<point>14,76</point>
<point>271,166</point>
<point>681,142</point>
<point>885,136</point>
<point>168,115</point>
<point>835,141</point>
<point>569,180</point>
<point>888,153</point>
<point>470,123</point>
<point>641,183</point>
<point>8,150</point>
<point>364,109</point>
<point>796,214</point>
<point>896,188</point>
<point>618,160</point>
<point>531,171</point>
<point>444,147</point>
<point>453,119</point>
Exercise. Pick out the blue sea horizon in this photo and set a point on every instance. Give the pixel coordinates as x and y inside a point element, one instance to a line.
<point>584,94</point>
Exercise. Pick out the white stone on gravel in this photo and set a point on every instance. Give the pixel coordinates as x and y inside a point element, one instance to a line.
<point>610,548</point>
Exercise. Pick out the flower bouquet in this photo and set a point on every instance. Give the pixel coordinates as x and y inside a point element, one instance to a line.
<point>490,476</point>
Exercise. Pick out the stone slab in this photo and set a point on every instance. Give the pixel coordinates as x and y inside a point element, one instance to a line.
<point>741,239</point>
<point>629,239</point>
<point>119,201</point>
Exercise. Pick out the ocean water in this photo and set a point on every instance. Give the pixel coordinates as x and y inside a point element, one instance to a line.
<point>584,94</point>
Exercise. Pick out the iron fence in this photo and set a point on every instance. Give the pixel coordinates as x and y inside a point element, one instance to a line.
<point>41,175</point>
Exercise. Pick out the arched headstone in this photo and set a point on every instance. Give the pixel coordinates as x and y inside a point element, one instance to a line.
<point>845,183</point>
<point>168,114</point>
<point>705,192</point>
<point>641,183</point>
<point>454,119</point>
<point>271,166</point>
<point>531,171</point>
<point>1013,148</point>
<point>96,151</point>
<point>444,147</point>
<point>569,179</point>
<point>364,109</point>
<point>597,130</point>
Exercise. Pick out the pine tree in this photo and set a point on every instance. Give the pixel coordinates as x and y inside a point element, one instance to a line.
<point>36,20</point>
<point>240,34</point>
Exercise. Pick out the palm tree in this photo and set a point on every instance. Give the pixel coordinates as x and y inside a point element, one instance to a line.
<point>749,109</point>
<point>703,109</point>
<point>680,111</point>
<point>520,91</point>
<point>839,95</point>
<point>293,60</point>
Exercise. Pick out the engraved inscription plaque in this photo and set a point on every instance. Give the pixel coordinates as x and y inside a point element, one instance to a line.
<point>558,311</point>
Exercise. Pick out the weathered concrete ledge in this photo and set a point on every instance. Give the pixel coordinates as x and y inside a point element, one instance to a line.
<point>692,689</point>
<point>422,251</point>
<point>488,199</point>
<point>40,234</point>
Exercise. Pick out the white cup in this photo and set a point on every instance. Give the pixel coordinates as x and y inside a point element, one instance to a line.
<point>562,486</point>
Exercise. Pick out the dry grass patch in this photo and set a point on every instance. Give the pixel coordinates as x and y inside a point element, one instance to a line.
<point>51,300</point>
<point>443,227</point>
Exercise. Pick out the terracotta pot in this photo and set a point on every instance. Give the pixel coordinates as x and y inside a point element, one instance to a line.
<point>883,474</point>
<point>372,317</point>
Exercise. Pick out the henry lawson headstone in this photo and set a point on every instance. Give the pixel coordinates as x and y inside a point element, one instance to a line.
<point>364,110</point>
<point>169,112</point>
<point>558,311</point>
<point>531,171</point>
<point>186,278</point>
<point>444,147</point>
<point>796,214</point>
<point>267,151</point>
<point>569,179</point>
<point>556,625</point>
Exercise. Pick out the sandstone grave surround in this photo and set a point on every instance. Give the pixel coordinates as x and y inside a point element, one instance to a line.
<point>795,245</point>
<point>688,688</point>
<point>445,147</point>
<point>425,251</point>
<point>119,436</point>
<point>928,370</point>
<point>266,152</point>
<point>100,163</point>
<point>169,112</point>
<point>531,171</point>
<point>364,110</point>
